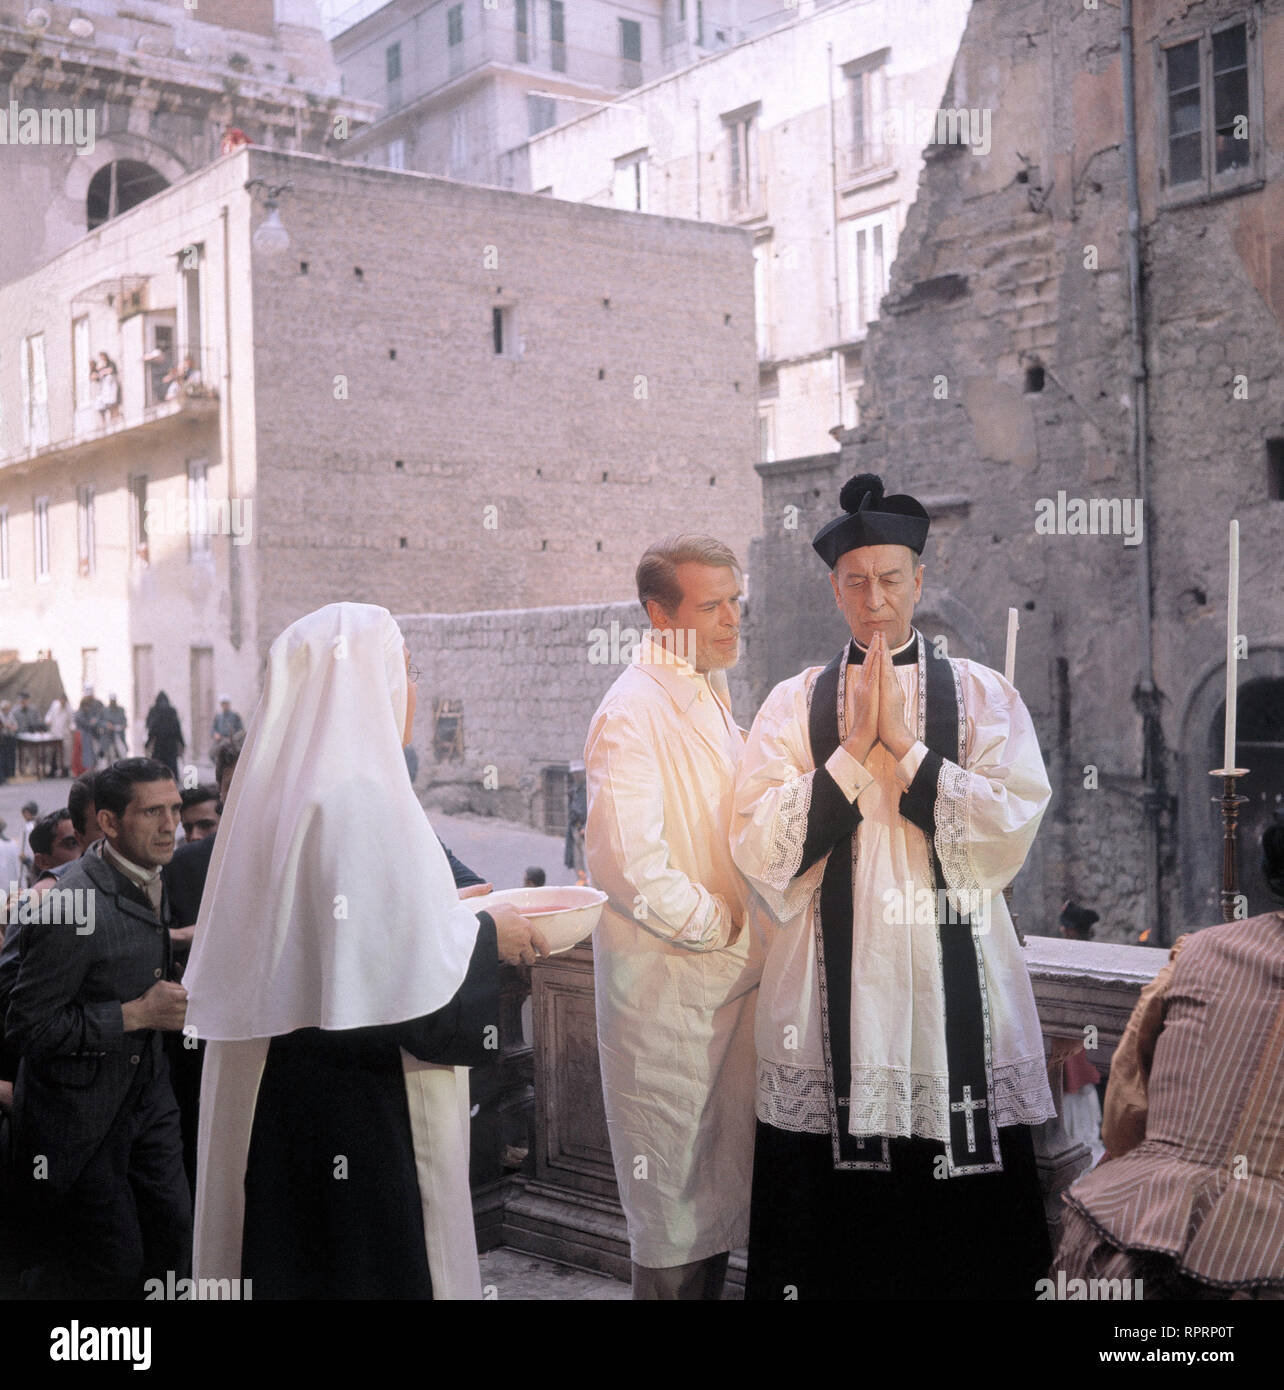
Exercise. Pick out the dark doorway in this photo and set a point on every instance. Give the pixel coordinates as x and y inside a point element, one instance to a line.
<point>1260,748</point>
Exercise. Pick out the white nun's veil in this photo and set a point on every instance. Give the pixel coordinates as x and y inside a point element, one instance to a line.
<point>329,901</point>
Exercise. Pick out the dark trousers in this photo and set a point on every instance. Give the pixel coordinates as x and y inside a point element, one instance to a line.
<point>701,1280</point>
<point>128,1216</point>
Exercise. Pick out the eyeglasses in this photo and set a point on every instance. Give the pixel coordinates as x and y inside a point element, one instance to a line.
<point>413,672</point>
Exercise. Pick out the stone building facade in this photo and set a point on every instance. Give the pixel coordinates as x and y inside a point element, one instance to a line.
<point>810,135</point>
<point>150,89</point>
<point>1007,379</point>
<point>462,83</point>
<point>438,397</point>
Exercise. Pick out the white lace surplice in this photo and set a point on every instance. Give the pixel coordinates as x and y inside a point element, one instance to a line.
<point>986,817</point>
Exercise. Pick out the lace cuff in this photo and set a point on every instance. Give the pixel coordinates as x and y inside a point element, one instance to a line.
<point>788,833</point>
<point>792,1098</point>
<point>953,807</point>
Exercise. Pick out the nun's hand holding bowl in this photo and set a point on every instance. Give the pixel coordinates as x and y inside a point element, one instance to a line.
<point>520,943</point>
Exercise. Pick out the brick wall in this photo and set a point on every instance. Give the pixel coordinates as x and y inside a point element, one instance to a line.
<point>455,479</point>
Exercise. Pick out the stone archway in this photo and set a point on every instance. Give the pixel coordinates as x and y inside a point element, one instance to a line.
<point>1261,747</point>
<point>123,148</point>
<point>118,186</point>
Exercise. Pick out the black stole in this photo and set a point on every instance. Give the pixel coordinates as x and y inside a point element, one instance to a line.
<point>974,1140</point>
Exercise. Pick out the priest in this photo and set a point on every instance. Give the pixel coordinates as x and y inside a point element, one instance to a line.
<point>882,803</point>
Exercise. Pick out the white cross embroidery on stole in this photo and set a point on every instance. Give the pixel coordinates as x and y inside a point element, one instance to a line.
<point>967,1105</point>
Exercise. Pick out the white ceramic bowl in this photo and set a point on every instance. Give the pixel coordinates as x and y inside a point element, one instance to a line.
<point>565,915</point>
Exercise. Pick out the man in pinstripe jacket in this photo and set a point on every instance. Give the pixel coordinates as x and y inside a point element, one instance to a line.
<point>96,1123</point>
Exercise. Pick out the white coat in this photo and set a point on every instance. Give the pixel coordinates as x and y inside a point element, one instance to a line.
<point>675,996</point>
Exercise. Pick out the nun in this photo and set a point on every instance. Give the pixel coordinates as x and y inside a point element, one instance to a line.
<point>343,989</point>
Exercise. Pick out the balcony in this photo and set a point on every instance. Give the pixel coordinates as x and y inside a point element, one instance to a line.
<point>151,395</point>
<point>190,377</point>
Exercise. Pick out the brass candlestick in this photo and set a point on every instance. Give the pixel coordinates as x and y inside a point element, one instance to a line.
<point>1230,801</point>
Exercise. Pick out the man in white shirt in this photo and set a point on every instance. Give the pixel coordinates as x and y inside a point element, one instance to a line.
<point>677,953</point>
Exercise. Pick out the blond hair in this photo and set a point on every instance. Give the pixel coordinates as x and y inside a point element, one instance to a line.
<point>657,572</point>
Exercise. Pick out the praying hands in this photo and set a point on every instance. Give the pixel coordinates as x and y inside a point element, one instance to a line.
<point>876,707</point>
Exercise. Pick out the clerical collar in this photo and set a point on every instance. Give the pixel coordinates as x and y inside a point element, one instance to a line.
<point>904,655</point>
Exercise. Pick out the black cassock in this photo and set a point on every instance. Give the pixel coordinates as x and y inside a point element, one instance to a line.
<point>332,1201</point>
<point>834,1217</point>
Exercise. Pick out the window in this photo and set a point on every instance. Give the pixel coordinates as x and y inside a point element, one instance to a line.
<point>557,35</point>
<point>189,302</point>
<point>138,548</point>
<point>762,295</point>
<point>853,377</point>
<point>119,186</point>
<point>455,38</point>
<point>1275,469</point>
<point>448,730</point>
<point>201,684</point>
<point>80,363</point>
<point>860,125</point>
<point>89,667</point>
<point>521,32</point>
<point>160,358</point>
<point>630,53</point>
<point>458,145</point>
<point>40,517</point>
<point>744,191</point>
<point>503,331</point>
<point>396,158</point>
<point>4,545</point>
<point>868,249</point>
<point>541,112</point>
<point>392,68</point>
<point>556,784</point>
<point>144,680</point>
<point>35,392</point>
<point>1211,110</point>
<point>630,187</point>
<point>86,545</point>
<point>767,434</point>
<point>198,519</point>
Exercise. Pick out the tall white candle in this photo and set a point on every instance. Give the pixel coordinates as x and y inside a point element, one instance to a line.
<point>1009,660</point>
<point>1232,638</point>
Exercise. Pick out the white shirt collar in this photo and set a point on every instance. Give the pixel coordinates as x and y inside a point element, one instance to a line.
<point>127,867</point>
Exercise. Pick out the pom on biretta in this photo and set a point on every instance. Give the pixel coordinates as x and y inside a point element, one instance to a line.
<point>869,518</point>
